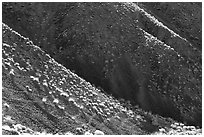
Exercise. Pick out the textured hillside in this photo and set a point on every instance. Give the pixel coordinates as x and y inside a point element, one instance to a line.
<point>127,50</point>
<point>184,18</point>
<point>40,96</point>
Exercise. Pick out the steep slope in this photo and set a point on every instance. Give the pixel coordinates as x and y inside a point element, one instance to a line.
<point>191,52</point>
<point>185,18</point>
<point>121,48</point>
<point>43,95</point>
<point>40,96</point>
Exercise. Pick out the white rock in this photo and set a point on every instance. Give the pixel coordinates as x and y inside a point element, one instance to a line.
<point>64,94</point>
<point>45,83</point>
<point>25,134</point>
<point>11,72</point>
<point>9,119</point>
<point>56,101</point>
<point>44,99</point>
<point>88,133</point>
<point>34,78</point>
<point>6,127</point>
<point>181,124</point>
<point>162,130</point>
<point>98,132</point>
<point>61,107</point>
<point>71,99</point>
<point>192,127</point>
<point>6,104</point>
<point>176,123</point>
<point>69,133</point>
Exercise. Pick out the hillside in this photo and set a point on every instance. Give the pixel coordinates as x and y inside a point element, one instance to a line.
<point>41,96</point>
<point>129,51</point>
<point>183,18</point>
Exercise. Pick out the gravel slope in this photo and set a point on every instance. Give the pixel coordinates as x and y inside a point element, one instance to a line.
<point>41,96</point>
<point>128,51</point>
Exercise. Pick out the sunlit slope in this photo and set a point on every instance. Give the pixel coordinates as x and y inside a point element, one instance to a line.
<point>121,48</point>
<point>44,96</point>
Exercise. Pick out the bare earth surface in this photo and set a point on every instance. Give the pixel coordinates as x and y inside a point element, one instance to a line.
<point>102,68</point>
<point>42,97</point>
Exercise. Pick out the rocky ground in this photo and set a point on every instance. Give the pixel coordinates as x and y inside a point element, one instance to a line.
<point>146,67</point>
<point>40,96</point>
<point>183,18</point>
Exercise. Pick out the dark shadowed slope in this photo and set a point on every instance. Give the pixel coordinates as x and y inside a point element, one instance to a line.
<point>40,96</point>
<point>185,18</point>
<point>121,48</point>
